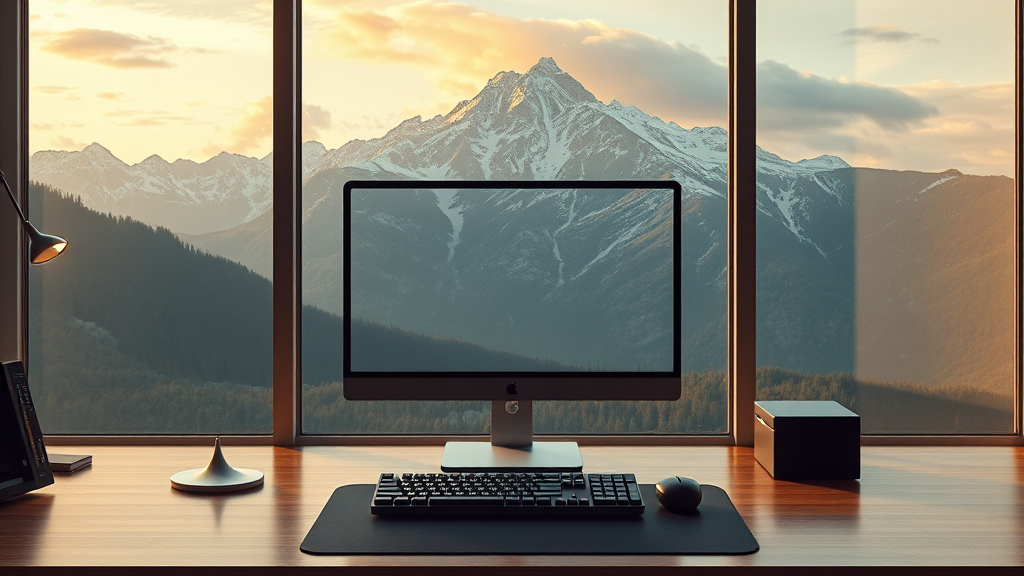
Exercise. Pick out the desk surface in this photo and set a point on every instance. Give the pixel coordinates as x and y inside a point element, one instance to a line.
<point>913,507</point>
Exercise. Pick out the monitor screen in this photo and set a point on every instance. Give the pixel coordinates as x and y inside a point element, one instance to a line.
<point>569,290</point>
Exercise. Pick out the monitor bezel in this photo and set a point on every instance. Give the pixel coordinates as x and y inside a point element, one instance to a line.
<point>661,385</point>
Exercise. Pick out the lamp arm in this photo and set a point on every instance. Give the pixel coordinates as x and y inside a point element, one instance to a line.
<point>11,194</point>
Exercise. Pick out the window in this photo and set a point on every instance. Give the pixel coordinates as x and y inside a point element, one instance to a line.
<point>150,140</point>
<point>921,313</point>
<point>573,90</point>
<point>886,254</point>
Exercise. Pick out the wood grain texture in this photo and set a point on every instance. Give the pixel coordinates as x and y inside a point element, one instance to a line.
<point>928,510</point>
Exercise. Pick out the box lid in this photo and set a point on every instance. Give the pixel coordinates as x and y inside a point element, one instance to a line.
<point>804,414</point>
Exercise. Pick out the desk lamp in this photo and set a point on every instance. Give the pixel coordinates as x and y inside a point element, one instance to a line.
<point>218,476</point>
<point>41,247</point>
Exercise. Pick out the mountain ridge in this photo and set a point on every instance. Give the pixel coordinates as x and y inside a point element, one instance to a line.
<point>227,190</point>
<point>817,221</point>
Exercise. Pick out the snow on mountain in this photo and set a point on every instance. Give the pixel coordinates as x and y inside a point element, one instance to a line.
<point>184,196</point>
<point>545,125</point>
<point>539,125</point>
<point>312,152</point>
<point>542,125</point>
<point>827,272</point>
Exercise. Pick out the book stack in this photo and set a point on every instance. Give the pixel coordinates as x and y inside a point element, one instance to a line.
<point>24,465</point>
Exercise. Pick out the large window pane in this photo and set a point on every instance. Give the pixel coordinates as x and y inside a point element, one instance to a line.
<point>887,225</point>
<point>484,89</point>
<point>150,139</point>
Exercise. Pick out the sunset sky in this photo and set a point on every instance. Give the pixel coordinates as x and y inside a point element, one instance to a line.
<point>924,85</point>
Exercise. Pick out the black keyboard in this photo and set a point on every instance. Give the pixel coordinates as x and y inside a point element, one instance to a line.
<point>508,494</point>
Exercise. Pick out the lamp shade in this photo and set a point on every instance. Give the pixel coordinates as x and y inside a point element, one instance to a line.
<point>42,247</point>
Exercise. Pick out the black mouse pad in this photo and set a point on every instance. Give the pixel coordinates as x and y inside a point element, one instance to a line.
<point>345,526</point>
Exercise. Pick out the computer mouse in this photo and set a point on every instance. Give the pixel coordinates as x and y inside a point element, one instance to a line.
<point>678,494</point>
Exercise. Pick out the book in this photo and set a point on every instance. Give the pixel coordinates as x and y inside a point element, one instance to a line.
<point>68,463</point>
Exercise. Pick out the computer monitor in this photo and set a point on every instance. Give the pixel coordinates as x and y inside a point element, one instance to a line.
<point>512,292</point>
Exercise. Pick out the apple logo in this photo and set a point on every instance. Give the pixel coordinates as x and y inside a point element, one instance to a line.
<point>511,389</point>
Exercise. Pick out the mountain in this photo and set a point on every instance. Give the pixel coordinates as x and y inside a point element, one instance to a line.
<point>107,360</point>
<point>183,196</point>
<point>579,277</point>
<point>539,125</point>
<point>129,278</point>
<point>859,270</point>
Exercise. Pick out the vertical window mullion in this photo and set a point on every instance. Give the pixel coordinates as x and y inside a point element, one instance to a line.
<point>1019,177</point>
<point>286,222</point>
<point>742,212</point>
<point>14,163</point>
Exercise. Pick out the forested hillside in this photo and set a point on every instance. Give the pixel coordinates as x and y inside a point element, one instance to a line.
<point>701,409</point>
<point>380,348</point>
<point>132,331</point>
<point>130,308</point>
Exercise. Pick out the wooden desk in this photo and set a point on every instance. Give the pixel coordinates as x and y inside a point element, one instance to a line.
<point>914,507</point>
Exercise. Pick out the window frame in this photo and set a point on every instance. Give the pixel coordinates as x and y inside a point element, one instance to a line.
<point>287,305</point>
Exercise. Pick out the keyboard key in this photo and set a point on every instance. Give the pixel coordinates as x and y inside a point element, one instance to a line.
<point>467,501</point>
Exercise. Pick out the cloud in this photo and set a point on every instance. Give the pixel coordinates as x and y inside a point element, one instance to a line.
<point>883,33</point>
<point>52,89</point>
<point>314,119</point>
<point>972,130</point>
<point>254,126</point>
<point>370,122</point>
<point>460,47</point>
<point>789,100</point>
<point>66,91</point>
<point>162,120</point>
<point>975,131</point>
<point>115,96</point>
<point>65,143</point>
<point>236,11</point>
<point>109,48</point>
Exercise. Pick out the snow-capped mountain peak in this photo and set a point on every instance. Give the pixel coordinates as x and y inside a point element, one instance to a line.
<point>541,124</point>
<point>154,160</point>
<point>823,162</point>
<point>546,65</point>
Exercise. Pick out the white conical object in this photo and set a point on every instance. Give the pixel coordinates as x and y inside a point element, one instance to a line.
<point>218,476</point>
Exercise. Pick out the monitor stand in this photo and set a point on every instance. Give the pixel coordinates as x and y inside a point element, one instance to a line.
<point>511,448</point>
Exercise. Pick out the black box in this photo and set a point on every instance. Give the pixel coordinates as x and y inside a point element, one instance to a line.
<point>807,439</point>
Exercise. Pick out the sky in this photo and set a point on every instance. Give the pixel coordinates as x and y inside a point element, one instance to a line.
<point>909,85</point>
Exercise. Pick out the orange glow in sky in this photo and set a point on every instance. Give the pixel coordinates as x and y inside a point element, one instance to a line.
<point>873,82</point>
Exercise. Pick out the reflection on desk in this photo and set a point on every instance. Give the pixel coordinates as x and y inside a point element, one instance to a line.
<point>913,507</point>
